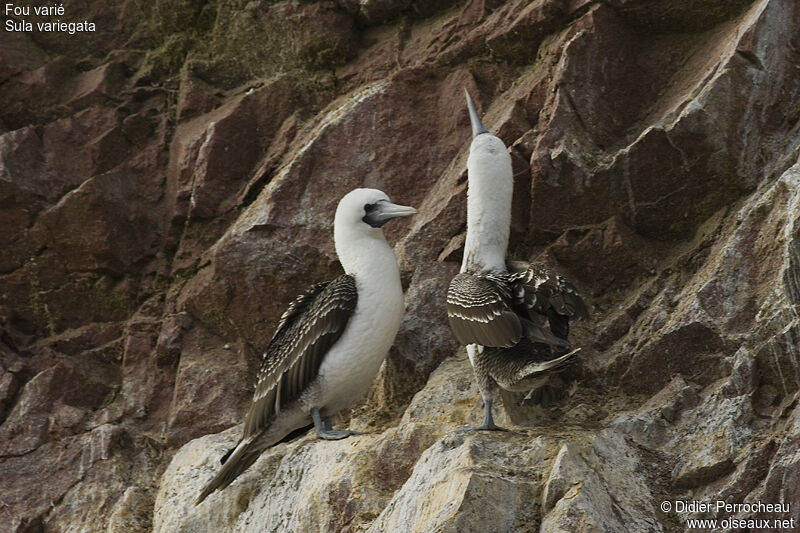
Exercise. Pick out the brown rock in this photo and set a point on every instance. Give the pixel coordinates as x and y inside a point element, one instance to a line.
<point>376,11</point>
<point>212,381</point>
<point>675,16</point>
<point>215,153</point>
<point>600,167</point>
<point>164,198</point>
<point>99,85</point>
<point>424,338</point>
<point>20,54</point>
<point>516,30</point>
<point>195,97</point>
<point>610,254</point>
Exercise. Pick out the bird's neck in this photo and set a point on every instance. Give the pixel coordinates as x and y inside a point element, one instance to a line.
<point>488,223</point>
<point>367,257</point>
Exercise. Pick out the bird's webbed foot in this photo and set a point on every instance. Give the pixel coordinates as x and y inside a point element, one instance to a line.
<point>491,426</point>
<point>333,434</point>
<point>488,420</point>
<point>324,427</point>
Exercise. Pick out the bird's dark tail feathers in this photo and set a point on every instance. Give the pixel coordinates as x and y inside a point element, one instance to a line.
<point>540,334</point>
<point>551,365</point>
<point>241,459</point>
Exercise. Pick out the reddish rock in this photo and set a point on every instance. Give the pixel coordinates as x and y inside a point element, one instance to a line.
<point>516,30</point>
<point>676,16</point>
<point>54,403</point>
<point>604,165</point>
<point>20,54</point>
<point>99,85</point>
<point>212,382</point>
<point>9,385</point>
<point>44,161</point>
<point>195,97</point>
<point>97,227</point>
<point>34,93</point>
<point>605,255</point>
<point>146,390</point>
<point>283,241</point>
<point>215,153</point>
<point>693,350</point>
<point>424,339</point>
<point>164,198</point>
<point>61,465</point>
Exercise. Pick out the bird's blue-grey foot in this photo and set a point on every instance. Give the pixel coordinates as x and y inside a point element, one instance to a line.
<point>324,429</point>
<point>488,420</point>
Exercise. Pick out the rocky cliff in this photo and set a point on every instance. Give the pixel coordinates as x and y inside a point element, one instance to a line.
<point>167,185</point>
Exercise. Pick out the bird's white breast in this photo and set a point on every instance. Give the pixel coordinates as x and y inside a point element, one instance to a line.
<point>350,367</point>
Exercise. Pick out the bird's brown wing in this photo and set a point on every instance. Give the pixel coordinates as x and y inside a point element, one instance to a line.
<point>546,288</point>
<point>311,325</point>
<point>479,312</point>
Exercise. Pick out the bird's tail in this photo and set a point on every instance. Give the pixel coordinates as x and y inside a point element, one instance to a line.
<point>540,334</point>
<point>547,366</point>
<point>242,457</point>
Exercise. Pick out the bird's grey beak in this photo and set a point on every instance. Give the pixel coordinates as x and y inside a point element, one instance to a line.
<point>388,210</point>
<point>474,119</point>
<point>385,211</point>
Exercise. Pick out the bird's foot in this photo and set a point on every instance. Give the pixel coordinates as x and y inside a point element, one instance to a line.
<point>488,420</point>
<point>484,427</point>
<point>323,427</point>
<point>334,434</point>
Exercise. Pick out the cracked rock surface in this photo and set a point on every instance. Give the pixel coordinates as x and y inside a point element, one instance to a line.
<point>167,185</point>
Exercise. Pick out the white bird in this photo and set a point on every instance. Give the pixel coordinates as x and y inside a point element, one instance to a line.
<point>510,314</point>
<point>330,342</point>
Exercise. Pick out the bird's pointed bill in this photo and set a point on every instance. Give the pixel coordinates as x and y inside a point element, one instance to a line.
<point>474,119</point>
<point>388,211</point>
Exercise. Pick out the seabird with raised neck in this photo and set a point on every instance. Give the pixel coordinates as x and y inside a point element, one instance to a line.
<point>513,316</point>
<point>330,342</point>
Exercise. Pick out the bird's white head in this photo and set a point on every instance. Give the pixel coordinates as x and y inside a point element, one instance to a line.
<point>368,210</point>
<point>360,215</point>
<point>490,188</point>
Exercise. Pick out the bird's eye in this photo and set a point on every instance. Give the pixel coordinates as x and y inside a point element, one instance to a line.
<point>369,207</point>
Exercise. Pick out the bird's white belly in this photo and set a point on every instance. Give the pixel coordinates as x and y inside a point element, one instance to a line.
<point>351,365</point>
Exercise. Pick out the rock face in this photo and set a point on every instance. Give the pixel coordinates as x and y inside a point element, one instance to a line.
<point>165,192</point>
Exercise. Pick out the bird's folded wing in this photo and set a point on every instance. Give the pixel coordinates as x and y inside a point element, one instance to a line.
<point>542,288</point>
<point>311,325</point>
<point>479,313</point>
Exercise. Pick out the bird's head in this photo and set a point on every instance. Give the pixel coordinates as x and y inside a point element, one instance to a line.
<point>368,210</point>
<point>488,156</point>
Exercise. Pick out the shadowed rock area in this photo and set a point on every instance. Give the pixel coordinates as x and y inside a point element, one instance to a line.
<point>168,183</point>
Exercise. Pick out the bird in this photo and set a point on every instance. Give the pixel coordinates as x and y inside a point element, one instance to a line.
<point>331,340</point>
<point>513,316</point>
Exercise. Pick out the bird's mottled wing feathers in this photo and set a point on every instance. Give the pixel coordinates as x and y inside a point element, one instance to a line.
<point>540,288</point>
<point>313,322</point>
<point>479,312</point>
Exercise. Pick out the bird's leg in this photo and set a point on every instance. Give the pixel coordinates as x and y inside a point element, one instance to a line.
<point>327,423</point>
<point>324,430</point>
<point>488,387</point>
<point>488,419</point>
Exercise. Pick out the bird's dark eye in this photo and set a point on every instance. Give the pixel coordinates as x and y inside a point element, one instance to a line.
<point>369,207</point>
